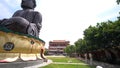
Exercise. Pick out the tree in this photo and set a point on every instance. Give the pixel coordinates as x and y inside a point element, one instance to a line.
<point>70,49</point>
<point>118,1</point>
<point>81,46</point>
<point>103,35</point>
<point>46,51</point>
<point>90,35</point>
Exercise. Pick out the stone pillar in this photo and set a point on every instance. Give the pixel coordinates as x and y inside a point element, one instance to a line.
<point>91,59</point>
<point>85,57</point>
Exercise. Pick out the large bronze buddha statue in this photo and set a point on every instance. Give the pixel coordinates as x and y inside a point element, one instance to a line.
<point>25,21</point>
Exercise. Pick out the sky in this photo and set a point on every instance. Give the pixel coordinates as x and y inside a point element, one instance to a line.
<point>66,19</point>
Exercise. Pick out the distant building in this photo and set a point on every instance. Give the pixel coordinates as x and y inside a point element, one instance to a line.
<point>56,47</point>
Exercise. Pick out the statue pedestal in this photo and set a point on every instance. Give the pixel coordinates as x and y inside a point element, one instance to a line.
<point>15,47</point>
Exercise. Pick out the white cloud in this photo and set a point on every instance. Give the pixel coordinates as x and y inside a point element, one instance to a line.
<point>12,3</point>
<point>8,7</point>
<point>4,13</point>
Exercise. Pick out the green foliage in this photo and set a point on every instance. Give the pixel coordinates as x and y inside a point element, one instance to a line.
<point>70,49</point>
<point>118,1</point>
<point>81,46</point>
<point>46,51</point>
<point>103,35</point>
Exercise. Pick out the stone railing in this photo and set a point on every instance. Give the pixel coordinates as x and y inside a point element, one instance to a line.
<point>102,64</point>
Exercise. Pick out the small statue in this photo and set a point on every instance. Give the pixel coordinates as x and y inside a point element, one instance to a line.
<point>25,21</point>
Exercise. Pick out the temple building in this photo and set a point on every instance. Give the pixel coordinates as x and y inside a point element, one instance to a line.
<point>56,47</point>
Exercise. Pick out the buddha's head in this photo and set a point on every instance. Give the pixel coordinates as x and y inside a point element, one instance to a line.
<point>28,4</point>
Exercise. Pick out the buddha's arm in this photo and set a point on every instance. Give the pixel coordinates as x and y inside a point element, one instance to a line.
<point>17,13</point>
<point>38,20</point>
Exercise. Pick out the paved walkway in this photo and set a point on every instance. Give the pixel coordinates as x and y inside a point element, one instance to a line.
<point>20,64</point>
<point>40,65</point>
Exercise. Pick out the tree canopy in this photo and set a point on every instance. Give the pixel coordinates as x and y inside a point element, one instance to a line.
<point>103,35</point>
<point>118,1</point>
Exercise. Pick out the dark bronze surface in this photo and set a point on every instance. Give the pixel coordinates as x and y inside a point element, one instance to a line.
<point>25,21</point>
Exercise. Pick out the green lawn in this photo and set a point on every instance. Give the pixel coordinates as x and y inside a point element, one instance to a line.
<point>66,60</point>
<point>67,66</point>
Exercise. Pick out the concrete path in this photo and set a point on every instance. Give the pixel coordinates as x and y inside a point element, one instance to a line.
<point>40,65</point>
<point>20,64</point>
